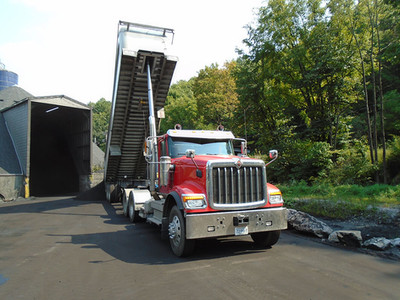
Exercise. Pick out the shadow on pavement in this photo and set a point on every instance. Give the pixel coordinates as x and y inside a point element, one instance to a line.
<point>141,243</point>
<point>138,243</point>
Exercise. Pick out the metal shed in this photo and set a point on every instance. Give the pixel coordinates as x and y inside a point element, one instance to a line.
<point>51,137</point>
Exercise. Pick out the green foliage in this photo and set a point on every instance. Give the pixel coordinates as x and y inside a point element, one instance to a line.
<point>181,108</point>
<point>343,201</point>
<point>351,165</point>
<point>301,160</point>
<point>215,92</point>
<point>101,114</point>
<point>392,112</point>
<point>306,70</point>
<point>394,160</point>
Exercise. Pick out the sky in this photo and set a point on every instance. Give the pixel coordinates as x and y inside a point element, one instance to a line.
<point>67,47</point>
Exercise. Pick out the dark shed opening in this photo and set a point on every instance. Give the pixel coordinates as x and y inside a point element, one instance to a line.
<point>60,149</point>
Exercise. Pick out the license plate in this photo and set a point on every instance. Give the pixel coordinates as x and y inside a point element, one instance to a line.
<point>241,230</point>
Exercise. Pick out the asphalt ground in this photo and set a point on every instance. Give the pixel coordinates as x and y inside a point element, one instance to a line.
<point>65,248</point>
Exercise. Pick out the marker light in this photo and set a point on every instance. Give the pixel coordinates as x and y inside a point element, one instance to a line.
<point>275,198</point>
<point>194,201</point>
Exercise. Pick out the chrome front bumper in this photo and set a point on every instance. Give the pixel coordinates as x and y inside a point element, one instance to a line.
<point>224,223</point>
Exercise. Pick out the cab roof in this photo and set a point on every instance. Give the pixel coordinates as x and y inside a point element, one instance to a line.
<point>201,134</point>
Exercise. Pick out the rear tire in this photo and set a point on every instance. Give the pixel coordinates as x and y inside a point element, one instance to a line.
<point>180,245</point>
<point>125,204</point>
<point>132,213</point>
<point>109,192</point>
<point>266,239</point>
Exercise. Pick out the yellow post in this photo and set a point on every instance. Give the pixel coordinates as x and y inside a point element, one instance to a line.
<point>27,187</point>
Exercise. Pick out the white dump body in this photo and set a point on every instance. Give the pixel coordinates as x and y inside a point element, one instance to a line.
<point>137,45</point>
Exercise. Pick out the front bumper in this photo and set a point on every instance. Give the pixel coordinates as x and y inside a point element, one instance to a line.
<point>224,223</point>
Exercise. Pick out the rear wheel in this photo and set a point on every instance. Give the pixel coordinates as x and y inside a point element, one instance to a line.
<point>125,204</point>
<point>109,192</point>
<point>266,239</point>
<point>116,195</point>
<point>132,213</point>
<point>177,234</point>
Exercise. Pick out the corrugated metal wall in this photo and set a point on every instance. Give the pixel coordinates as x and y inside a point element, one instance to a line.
<point>18,123</point>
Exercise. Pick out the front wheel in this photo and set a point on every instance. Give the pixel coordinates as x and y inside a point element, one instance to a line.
<point>177,234</point>
<point>266,239</point>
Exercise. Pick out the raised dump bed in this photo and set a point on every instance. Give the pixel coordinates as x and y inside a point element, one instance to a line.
<point>137,46</point>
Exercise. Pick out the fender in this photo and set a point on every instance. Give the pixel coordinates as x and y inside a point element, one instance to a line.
<point>172,199</point>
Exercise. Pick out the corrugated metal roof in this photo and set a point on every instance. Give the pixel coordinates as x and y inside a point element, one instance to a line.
<point>12,95</point>
<point>60,100</point>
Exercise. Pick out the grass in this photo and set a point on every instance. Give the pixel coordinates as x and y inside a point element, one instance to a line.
<point>342,202</point>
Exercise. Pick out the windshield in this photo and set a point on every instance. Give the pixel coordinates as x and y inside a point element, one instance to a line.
<point>177,146</point>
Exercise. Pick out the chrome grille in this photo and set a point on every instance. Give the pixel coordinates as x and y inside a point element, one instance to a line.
<point>230,187</point>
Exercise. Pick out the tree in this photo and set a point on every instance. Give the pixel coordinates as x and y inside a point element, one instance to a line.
<point>101,114</point>
<point>181,107</point>
<point>372,24</point>
<point>215,92</point>
<point>302,57</point>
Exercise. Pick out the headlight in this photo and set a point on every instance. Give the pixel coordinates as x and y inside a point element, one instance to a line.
<point>195,201</point>
<point>275,198</point>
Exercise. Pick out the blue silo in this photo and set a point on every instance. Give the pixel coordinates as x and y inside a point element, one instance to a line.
<point>7,78</point>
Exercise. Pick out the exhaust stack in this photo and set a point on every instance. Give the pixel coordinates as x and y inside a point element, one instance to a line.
<point>153,133</point>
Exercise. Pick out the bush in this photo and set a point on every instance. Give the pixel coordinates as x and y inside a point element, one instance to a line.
<point>393,160</point>
<point>301,160</point>
<point>351,166</point>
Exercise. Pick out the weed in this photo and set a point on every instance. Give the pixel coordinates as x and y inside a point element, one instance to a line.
<point>342,202</point>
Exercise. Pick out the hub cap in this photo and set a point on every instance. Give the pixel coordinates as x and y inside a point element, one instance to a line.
<point>175,230</point>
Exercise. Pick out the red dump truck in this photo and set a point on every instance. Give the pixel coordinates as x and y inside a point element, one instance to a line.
<point>191,183</point>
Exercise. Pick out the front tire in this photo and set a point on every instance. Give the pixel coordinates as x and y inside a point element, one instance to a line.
<point>177,234</point>
<point>266,239</point>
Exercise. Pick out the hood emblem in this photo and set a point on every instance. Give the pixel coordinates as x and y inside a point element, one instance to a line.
<point>238,163</point>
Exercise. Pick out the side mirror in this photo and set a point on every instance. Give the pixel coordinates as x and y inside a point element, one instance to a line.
<point>273,155</point>
<point>190,153</point>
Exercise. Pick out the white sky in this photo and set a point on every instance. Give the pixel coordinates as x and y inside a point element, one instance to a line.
<point>67,47</point>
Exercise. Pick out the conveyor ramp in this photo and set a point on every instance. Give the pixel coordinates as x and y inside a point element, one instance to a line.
<point>137,45</point>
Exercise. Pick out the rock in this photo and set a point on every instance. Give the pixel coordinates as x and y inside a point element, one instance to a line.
<point>304,222</point>
<point>351,238</point>
<point>389,215</point>
<point>395,242</point>
<point>378,243</point>
<point>333,238</point>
